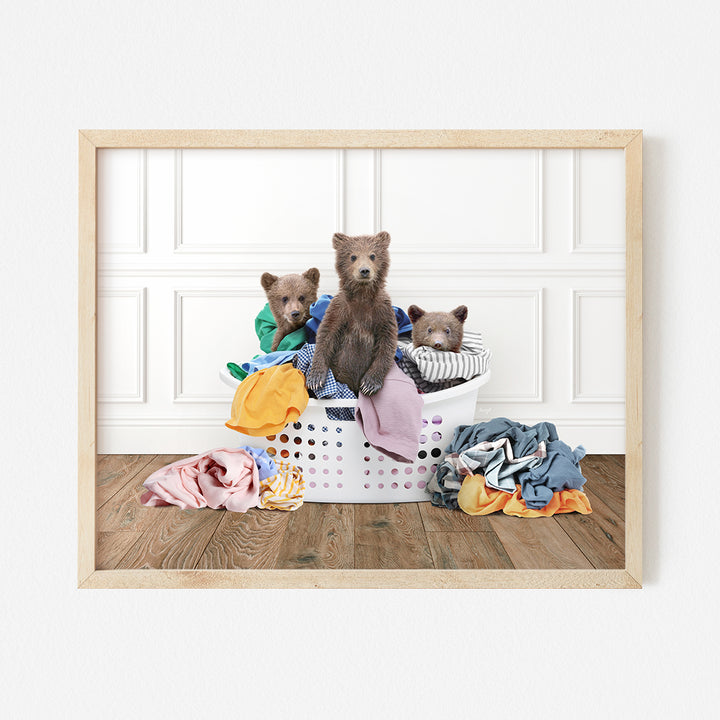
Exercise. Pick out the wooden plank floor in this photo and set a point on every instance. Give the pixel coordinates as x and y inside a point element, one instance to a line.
<point>341,536</point>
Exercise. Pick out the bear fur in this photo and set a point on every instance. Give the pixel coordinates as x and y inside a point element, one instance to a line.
<point>290,298</point>
<point>438,330</point>
<point>358,335</point>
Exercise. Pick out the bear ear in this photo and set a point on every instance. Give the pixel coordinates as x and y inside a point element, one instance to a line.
<point>267,280</point>
<point>460,312</point>
<point>313,275</point>
<point>383,237</point>
<point>415,313</point>
<point>339,240</point>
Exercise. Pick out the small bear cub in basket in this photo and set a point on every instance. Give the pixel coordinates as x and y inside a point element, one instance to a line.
<point>358,335</point>
<point>290,298</point>
<point>438,330</point>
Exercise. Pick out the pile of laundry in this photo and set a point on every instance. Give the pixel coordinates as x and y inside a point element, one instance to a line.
<point>236,479</point>
<point>272,391</point>
<point>501,464</point>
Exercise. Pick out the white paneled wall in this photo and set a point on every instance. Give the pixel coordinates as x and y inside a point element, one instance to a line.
<point>531,241</point>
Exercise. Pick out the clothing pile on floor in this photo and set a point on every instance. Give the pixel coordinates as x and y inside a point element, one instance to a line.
<point>503,465</point>
<point>236,479</point>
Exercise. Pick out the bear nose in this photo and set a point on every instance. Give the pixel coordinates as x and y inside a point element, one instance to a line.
<point>438,346</point>
<point>295,314</point>
<point>365,272</point>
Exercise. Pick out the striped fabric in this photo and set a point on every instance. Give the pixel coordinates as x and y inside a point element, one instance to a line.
<point>411,369</point>
<point>437,366</point>
<point>283,491</point>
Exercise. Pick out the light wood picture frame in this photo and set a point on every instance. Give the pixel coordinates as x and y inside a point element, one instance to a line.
<point>90,141</point>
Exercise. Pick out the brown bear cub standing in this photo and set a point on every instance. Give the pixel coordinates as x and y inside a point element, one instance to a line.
<point>357,337</point>
<point>438,330</point>
<point>290,298</point>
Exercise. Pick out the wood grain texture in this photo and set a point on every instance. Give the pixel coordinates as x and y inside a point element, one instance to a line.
<point>112,546</point>
<point>606,479</point>
<point>110,468</point>
<point>612,525</point>
<point>340,537</point>
<point>591,534</point>
<point>176,539</point>
<point>537,543</point>
<point>438,519</point>
<point>360,138</point>
<point>633,354</point>
<point>318,536</point>
<point>456,550</point>
<point>87,329</point>
<point>123,510</point>
<point>246,540</point>
<point>389,579</point>
<point>390,536</point>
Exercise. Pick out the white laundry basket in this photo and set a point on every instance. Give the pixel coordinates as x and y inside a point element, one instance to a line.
<point>340,466</point>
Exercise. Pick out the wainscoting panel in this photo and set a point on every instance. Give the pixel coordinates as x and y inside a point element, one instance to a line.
<point>122,348</point>
<point>232,201</point>
<point>462,200</point>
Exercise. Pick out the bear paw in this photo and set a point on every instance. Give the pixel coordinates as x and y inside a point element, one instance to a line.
<point>369,385</point>
<point>315,379</point>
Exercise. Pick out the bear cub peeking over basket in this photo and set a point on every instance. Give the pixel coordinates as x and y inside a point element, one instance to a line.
<point>290,298</point>
<point>358,335</point>
<point>438,330</point>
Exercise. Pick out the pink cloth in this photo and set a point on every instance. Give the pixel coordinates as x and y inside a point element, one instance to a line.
<point>392,418</point>
<point>225,477</point>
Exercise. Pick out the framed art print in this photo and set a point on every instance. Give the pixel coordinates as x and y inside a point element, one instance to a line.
<point>537,233</point>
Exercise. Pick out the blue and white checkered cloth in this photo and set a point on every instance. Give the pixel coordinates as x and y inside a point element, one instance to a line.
<point>331,389</point>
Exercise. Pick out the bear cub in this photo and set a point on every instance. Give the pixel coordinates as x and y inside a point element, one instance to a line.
<point>290,298</point>
<point>438,330</point>
<point>358,335</point>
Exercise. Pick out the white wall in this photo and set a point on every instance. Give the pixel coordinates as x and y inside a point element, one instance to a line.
<point>65,66</point>
<point>532,241</point>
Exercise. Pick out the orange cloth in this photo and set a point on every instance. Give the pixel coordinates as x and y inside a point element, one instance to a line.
<point>475,498</point>
<point>267,400</point>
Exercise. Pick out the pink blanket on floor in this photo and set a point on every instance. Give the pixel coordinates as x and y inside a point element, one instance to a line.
<point>225,477</point>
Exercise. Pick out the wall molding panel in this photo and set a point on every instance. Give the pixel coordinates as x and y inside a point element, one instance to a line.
<point>107,358</point>
<point>534,245</point>
<point>118,199</point>
<point>337,202</point>
<point>180,295</point>
<point>578,394</point>
<point>535,345</point>
<point>579,244</point>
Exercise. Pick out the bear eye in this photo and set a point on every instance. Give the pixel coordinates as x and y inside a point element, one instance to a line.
<point>353,258</point>
<point>372,257</point>
<point>302,299</point>
<point>285,298</point>
<point>447,331</point>
<point>429,330</point>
